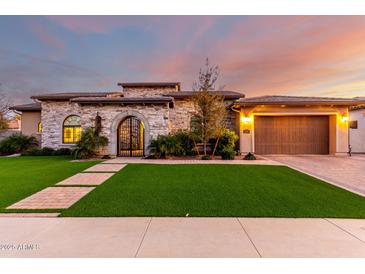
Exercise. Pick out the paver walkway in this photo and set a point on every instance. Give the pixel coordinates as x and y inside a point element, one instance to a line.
<point>125,160</point>
<point>182,237</point>
<point>69,193</point>
<point>52,197</point>
<point>105,168</point>
<point>90,179</point>
<point>344,171</point>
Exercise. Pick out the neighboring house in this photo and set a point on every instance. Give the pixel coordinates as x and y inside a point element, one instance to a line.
<point>357,129</point>
<point>13,128</point>
<point>14,124</point>
<point>142,111</point>
<point>30,119</point>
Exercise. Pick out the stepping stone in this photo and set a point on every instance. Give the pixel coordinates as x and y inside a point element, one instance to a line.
<point>53,197</point>
<point>105,168</point>
<point>43,215</point>
<point>86,179</point>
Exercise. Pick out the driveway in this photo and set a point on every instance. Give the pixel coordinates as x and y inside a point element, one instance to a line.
<point>181,237</point>
<point>347,172</point>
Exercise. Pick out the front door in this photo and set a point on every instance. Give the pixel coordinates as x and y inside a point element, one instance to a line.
<point>131,138</point>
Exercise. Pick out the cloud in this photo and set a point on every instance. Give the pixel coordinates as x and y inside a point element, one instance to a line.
<point>25,74</point>
<point>93,24</point>
<point>297,55</point>
<point>45,35</point>
<point>276,54</point>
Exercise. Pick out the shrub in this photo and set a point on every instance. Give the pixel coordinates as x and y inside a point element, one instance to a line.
<point>228,153</point>
<point>178,144</point>
<point>47,151</point>
<point>227,140</point>
<point>89,144</point>
<point>249,156</point>
<point>186,142</point>
<point>17,143</point>
<point>34,151</point>
<point>62,152</point>
<point>165,145</point>
<point>205,157</point>
<point>151,156</point>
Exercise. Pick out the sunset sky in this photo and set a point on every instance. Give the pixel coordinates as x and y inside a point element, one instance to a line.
<point>257,55</point>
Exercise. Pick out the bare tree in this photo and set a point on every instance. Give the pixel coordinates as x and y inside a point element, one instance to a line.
<point>209,116</point>
<point>4,110</point>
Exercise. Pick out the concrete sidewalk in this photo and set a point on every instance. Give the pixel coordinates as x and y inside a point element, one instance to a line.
<point>181,237</point>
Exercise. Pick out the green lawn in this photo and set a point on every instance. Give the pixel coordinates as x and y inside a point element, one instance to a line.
<point>23,176</point>
<point>217,190</point>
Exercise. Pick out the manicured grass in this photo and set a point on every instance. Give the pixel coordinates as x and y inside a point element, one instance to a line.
<point>23,176</point>
<point>217,190</point>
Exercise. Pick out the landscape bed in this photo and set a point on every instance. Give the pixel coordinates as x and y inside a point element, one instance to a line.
<point>198,190</point>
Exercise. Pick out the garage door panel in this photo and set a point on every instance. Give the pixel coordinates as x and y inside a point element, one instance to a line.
<point>292,134</point>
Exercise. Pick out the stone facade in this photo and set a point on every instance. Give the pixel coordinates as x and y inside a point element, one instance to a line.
<point>53,114</point>
<point>181,114</point>
<point>154,117</point>
<point>148,91</point>
<point>159,118</point>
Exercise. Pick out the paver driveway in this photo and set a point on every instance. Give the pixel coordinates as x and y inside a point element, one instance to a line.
<point>345,171</point>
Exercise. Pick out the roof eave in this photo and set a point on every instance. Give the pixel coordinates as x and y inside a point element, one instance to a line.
<point>149,84</point>
<point>338,103</point>
<point>124,102</point>
<point>25,109</point>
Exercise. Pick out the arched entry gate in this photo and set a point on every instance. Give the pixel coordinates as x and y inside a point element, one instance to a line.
<point>131,137</point>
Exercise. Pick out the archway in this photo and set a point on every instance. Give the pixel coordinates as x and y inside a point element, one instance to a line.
<point>131,141</point>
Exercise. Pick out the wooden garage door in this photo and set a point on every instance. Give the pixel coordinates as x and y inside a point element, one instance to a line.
<point>291,134</point>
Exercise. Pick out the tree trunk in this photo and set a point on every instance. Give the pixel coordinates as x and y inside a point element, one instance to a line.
<point>196,147</point>
<point>215,146</point>
<point>205,148</point>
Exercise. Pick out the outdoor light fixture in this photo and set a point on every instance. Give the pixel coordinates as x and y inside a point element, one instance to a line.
<point>246,119</point>
<point>344,118</point>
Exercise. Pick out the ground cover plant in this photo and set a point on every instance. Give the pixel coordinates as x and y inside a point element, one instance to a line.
<point>217,190</point>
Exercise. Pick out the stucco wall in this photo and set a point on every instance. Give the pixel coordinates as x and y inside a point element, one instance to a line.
<point>338,129</point>
<point>357,136</point>
<point>155,118</point>
<point>29,122</point>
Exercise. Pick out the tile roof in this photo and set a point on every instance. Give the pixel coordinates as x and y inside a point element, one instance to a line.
<point>70,95</point>
<point>27,107</point>
<point>122,100</point>
<point>186,94</point>
<point>297,100</point>
<point>149,84</point>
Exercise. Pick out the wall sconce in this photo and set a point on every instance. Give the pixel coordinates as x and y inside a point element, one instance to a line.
<point>246,119</point>
<point>344,118</point>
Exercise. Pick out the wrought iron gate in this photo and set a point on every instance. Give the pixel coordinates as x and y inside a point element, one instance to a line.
<point>131,138</point>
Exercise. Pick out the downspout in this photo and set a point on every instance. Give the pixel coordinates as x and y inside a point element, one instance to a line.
<point>348,133</point>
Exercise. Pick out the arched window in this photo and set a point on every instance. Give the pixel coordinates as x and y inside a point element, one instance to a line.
<point>40,127</point>
<point>72,129</point>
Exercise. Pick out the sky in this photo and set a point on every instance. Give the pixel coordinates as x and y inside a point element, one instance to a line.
<point>256,55</point>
